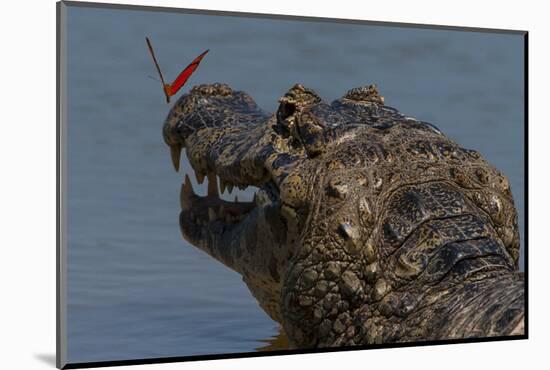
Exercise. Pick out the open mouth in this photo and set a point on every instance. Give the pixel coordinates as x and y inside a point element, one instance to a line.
<point>212,215</point>
<point>211,208</point>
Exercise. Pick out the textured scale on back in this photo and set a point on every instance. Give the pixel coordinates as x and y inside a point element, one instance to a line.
<point>368,227</point>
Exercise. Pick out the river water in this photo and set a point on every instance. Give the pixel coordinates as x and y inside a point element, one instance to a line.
<point>136,289</point>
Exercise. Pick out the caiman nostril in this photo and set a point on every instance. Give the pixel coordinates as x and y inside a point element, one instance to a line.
<point>286,109</point>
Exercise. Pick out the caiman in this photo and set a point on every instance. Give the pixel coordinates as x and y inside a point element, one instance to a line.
<point>368,226</point>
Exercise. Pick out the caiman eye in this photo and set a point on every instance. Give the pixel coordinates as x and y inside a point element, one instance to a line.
<point>296,99</point>
<point>365,94</point>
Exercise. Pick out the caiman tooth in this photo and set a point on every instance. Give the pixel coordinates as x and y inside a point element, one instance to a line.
<point>199,176</point>
<point>211,214</point>
<point>212,185</point>
<point>223,184</point>
<point>229,188</point>
<point>175,153</point>
<point>186,194</point>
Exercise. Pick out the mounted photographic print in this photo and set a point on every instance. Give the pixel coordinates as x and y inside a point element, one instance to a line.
<point>235,184</point>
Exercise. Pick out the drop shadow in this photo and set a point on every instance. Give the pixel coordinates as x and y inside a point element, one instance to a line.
<point>47,358</point>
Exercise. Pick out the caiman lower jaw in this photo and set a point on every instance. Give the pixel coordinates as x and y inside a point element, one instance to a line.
<point>208,222</point>
<point>210,207</point>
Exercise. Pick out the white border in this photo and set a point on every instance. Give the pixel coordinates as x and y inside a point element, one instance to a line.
<point>27,156</point>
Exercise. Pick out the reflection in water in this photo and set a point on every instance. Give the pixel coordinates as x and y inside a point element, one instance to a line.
<point>275,343</point>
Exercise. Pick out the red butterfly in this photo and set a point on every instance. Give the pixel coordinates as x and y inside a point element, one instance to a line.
<point>173,88</point>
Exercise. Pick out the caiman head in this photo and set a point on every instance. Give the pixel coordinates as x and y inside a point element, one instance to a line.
<point>362,219</point>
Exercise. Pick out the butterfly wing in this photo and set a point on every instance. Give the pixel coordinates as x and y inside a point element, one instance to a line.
<point>185,74</point>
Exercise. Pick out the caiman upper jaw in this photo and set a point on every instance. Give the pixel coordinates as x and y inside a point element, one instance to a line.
<point>216,125</point>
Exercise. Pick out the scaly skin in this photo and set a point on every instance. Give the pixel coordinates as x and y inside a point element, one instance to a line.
<point>368,226</point>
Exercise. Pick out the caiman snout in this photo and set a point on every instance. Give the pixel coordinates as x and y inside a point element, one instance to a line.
<point>227,138</point>
<point>201,109</point>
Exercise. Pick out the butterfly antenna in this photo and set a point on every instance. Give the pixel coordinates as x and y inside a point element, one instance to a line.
<point>152,52</point>
<point>154,78</point>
